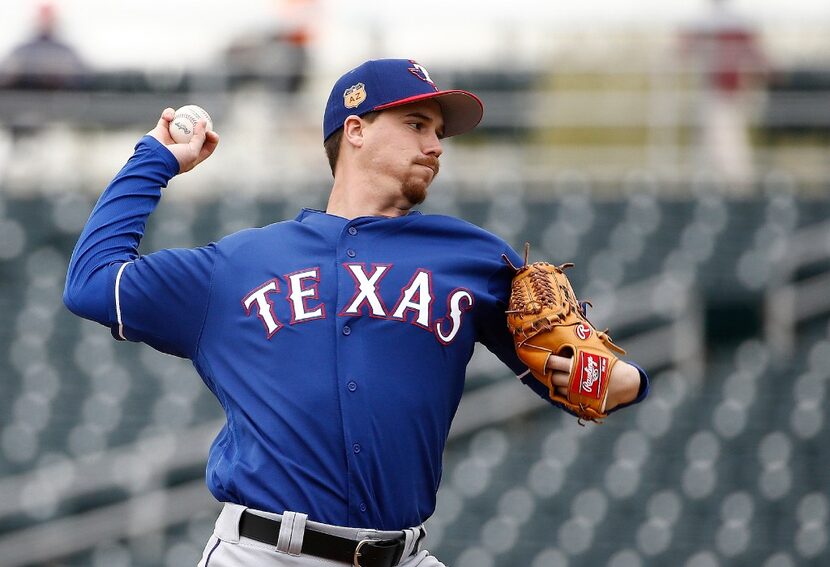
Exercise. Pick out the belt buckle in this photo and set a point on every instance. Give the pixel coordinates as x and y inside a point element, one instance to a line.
<point>356,557</point>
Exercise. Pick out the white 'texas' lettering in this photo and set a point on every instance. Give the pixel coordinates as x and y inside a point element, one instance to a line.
<point>417,296</point>
<point>264,307</point>
<point>367,290</point>
<point>303,287</point>
<point>455,309</point>
<point>297,295</point>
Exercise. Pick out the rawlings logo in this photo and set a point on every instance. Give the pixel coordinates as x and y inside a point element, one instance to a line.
<point>591,370</point>
<point>583,331</point>
<point>590,375</point>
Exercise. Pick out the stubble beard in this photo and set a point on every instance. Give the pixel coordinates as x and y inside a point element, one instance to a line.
<point>415,189</point>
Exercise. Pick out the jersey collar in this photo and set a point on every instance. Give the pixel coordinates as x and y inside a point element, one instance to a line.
<point>322,216</point>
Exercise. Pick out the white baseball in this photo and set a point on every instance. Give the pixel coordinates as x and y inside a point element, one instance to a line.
<point>183,124</point>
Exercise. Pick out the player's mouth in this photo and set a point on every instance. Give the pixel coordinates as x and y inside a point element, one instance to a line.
<point>430,162</point>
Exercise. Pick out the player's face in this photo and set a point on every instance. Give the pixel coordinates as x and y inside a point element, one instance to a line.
<point>405,144</point>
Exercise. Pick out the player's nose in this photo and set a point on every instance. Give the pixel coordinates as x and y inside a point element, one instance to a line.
<point>433,147</point>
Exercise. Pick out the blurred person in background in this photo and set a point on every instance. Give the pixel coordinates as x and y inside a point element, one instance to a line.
<point>43,62</point>
<point>278,57</point>
<point>725,55</point>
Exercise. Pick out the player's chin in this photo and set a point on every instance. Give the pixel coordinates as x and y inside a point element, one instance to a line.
<point>416,191</point>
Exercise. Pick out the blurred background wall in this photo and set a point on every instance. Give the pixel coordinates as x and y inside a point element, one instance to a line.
<point>677,152</point>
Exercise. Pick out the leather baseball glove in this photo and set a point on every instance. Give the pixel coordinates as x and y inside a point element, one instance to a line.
<point>546,318</point>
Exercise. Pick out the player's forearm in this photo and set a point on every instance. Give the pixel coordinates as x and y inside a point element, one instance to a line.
<point>114,229</point>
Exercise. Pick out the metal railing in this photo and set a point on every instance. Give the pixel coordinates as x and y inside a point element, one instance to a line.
<point>789,301</point>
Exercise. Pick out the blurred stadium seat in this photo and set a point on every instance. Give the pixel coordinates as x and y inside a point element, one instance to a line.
<point>722,468</point>
<point>589,154</point>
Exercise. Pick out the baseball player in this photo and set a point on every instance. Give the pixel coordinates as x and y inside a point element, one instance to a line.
<point>336,342</point>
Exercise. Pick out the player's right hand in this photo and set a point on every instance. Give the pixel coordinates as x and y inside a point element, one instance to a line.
<point>191,154</point>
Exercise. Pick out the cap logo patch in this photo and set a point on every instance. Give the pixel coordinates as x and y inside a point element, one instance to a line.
<point>354,95</point>
<point>421,72</point>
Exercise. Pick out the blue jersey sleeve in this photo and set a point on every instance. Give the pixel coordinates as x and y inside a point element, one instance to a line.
<point>493,332</point>
<point>160,298</point>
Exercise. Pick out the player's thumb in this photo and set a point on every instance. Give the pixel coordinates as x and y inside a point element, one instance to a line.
<point>161,131</point>
<point>166,117</point>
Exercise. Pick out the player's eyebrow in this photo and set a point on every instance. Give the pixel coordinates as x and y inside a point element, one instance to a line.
<point>425,118</point>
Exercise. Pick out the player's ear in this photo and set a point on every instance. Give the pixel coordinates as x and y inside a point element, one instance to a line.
<point>353,128</point>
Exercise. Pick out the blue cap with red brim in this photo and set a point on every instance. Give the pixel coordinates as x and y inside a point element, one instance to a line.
<point>385,83</point>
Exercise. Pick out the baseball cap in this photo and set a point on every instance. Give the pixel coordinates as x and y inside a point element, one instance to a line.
<point>379,84</point>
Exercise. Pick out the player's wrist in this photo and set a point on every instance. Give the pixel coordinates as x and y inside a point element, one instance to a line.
<point>624,384</point>
<point>151,144</point>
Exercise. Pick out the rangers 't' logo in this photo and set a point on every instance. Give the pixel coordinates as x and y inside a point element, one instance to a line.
<point>583,331</point>
<point>421,72</point>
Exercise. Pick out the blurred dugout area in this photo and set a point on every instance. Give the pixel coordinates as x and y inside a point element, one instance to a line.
<point>720,291</point>
<point>636,108</point>
<point>102,444</point>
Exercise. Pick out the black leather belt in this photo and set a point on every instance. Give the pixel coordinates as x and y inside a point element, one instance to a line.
<point>363,553</point>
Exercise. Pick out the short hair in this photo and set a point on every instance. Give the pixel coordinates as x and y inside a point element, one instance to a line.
<point>332,143</point>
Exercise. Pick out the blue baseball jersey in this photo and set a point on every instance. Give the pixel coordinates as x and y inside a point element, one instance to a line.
<point>337,348</point>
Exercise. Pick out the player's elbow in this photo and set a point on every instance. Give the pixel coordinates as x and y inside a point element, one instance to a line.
<point>76,302</point>
<point>85,301</point>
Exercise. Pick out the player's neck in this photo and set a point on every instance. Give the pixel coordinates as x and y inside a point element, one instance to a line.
<point>363,199</point>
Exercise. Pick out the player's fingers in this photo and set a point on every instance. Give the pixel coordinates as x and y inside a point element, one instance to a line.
<point>560,378</point>
<point>199,135</point>
<point>211,141</point>
<point>559,363</point>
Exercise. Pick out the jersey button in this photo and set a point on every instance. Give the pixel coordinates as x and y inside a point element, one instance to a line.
<point>352,230</point>
<point>356,448</point>
<point>352,385</point>
<point>347,330</point>
<point>351,253</point>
